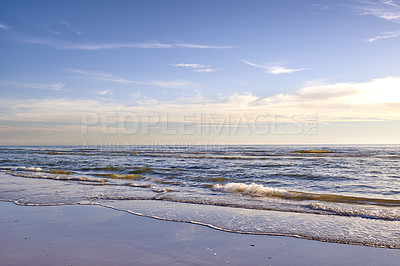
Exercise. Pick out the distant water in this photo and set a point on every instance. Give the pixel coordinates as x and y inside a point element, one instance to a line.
<point>343,194</point>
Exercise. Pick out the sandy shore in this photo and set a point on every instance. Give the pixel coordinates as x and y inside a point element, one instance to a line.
<point>93,235</point>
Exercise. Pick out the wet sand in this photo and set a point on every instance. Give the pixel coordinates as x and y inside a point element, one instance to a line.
<point>94,235</point>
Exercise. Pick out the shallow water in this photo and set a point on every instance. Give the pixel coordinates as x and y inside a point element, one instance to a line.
<point>345,194</point>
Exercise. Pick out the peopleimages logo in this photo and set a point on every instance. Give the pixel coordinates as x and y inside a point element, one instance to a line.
<point>188,123</point>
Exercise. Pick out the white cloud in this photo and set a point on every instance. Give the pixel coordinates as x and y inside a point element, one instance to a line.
<point>94,47</point>
<point>384,9</point>
<point>63,22</point>
<point>100,76</point>
<point>52,31</point>
<point>167,84</point>
<point>189,65</point>
<point>390,3</point>
<point>57,86</point>
<point>386,35</point>
<point>96,75</point>
<point>315,8</point>
<point>205,70</point>
<point>201,46</point>
<point>110,46</point>
<point>4,27</point>
<point>374,99</point>
<point>65,45</point>
<point>197,67</point>
<point>275,70</point>
<point>105,92</point>
<point>377,99</point>
<point>24,85</point>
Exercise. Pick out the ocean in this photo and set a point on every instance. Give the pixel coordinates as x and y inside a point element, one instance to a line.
<point>340,193</point>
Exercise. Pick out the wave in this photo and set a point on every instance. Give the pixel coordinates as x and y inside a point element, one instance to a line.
<point>30,168</point>
<point>55,177</point>
<point>252,189</point>
<point>105,168</point>
<point>60,172</point>
<point>261,191</point>
<point>141,170</point>
<point>37,169</point>
<point>112,168</point>
<point>358,211</point>
<point>204,157</point>
<point>321,228</point>
<point>121,176</point>
<point>313,151</point>
<point>21,169</point>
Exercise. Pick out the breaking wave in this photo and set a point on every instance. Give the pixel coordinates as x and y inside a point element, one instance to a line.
<point>261,191</point>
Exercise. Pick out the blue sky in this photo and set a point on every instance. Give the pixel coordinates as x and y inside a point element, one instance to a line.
<point>335,62</point>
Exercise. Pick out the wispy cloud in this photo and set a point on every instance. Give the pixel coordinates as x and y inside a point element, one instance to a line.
<point>111,46</point>
<point>108,77</point>
<point>388,10</point>
<point>105,92</point>
<point>4,27</point>
<point>386,35</point>
<point>390,3</point>
<point>275,70</point>
<point>66,45</point>
<point>384,9</point>
<point>189,65</point>
<point>201,46</point>
<point>65,23</point>
<point>100,76</point>
<point>51,31</point>
<point>206,70</point>
<point>167,84</point>
<point>317,8</point>
<point>23,85</point>
<point>197,67</point>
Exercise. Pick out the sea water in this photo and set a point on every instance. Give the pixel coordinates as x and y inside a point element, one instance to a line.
<point>343,194</point>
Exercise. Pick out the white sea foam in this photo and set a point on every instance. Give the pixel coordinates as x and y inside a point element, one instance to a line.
<point>31,168</point>
<point>54,177</point>
<point>252,190</point>
<point>34,169</point>
<point>358,211</point>
<point>261,191</point>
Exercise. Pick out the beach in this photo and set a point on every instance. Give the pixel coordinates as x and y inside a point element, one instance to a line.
<point>94,235</point>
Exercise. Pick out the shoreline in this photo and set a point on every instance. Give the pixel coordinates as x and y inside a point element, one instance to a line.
<point>90,234</point>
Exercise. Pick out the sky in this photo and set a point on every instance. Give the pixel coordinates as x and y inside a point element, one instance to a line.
<point>199,72</point>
